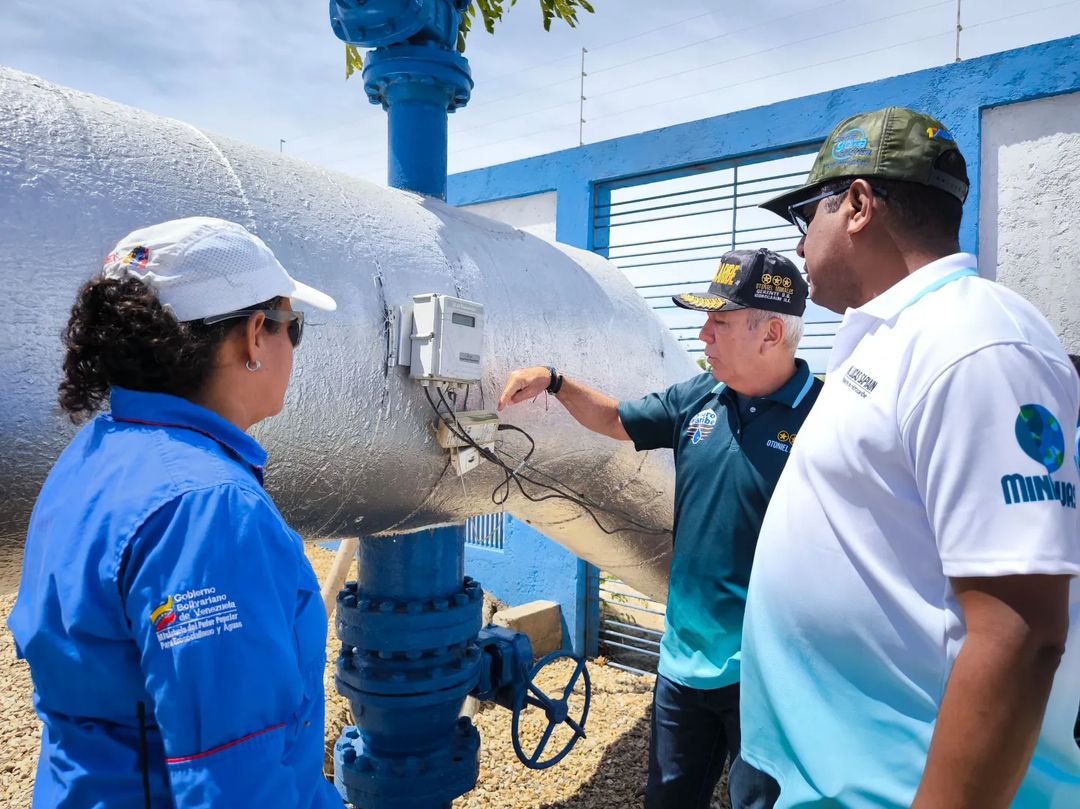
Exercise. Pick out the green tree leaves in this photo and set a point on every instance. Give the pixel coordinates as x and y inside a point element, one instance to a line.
<point>491,12</point>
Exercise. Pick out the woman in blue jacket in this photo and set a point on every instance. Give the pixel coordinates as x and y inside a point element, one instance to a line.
<point>173,626</point>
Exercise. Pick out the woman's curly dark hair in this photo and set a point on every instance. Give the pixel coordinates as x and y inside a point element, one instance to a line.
<point>120,335</point>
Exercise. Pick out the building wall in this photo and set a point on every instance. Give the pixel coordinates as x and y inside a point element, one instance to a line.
<point>530,567</point>
<point>534,213</point>
<point>1029,228</point>
<point>956,93</point>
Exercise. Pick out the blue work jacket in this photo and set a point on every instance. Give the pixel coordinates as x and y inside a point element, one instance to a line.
<point>173,626</point>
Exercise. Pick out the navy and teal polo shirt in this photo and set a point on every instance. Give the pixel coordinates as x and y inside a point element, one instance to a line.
<point>726,467</point>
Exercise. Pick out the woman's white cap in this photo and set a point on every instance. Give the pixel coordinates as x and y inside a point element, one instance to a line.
<point>201,266</point>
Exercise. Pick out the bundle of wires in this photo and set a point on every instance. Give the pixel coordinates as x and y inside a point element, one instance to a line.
<point>513,476</point>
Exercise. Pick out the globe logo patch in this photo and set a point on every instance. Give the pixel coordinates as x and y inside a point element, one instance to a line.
<point>1040,437</point>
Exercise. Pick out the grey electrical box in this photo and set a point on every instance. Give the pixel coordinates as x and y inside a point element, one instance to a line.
<point>446,339</point>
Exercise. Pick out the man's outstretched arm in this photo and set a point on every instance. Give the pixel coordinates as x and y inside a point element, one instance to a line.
<point>592,409</point>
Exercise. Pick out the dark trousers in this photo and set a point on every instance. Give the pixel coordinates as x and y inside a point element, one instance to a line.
<point>693,733</point>
<point>750,788</point>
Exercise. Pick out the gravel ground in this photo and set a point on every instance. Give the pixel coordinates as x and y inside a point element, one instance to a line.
<point>607,769</point>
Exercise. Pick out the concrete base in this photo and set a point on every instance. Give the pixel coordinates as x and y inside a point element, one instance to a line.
<point>541,621</point>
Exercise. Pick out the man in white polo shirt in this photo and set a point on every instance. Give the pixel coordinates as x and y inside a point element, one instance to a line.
<point>906,624</point>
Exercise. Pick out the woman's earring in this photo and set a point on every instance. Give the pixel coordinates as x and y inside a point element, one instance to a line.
<point>254,367</point>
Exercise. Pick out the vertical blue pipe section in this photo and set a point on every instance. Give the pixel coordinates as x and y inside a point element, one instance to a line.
<point>418,136</point>
<point>417,76</point>
<point>408,628</point>
<point>422,565</point>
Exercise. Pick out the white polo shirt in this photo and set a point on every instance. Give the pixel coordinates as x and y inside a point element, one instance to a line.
<point>939,447</point>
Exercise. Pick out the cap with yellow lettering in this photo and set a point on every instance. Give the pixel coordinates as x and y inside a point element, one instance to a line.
<point>894,143</point>
<point>751,279</point>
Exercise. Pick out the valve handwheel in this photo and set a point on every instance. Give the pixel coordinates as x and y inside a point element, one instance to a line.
<point>557,711</point>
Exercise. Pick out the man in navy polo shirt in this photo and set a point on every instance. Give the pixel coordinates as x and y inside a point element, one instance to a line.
<point>731,432</point>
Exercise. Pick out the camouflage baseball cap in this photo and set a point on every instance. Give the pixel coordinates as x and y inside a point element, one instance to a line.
<point>751,279</point>
<point>893,143</point>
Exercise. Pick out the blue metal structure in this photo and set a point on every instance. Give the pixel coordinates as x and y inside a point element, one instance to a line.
<point>417,76</point>
<point>412,650</point>
<point>957,93</point>
<point>518,564</point>
<point>412,645</point>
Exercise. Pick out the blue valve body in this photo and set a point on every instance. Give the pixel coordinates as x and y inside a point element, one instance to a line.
<point>411,650</point>
<point>417,76</point>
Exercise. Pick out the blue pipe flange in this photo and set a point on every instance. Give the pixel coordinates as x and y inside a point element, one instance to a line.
<point>360,673</point>
<point>428,73</point>
<point>556,711</point>
<point>412,781</point>
<point>388,625</point>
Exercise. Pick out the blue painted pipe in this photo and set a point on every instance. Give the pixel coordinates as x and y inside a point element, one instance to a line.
<point>423,565</point>
<point>417,76</point>
<point>411,643</point>
<point>409,656</point>
<point>417,85</point>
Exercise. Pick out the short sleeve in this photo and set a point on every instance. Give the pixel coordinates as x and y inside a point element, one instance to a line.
<point>651,421</point>
<point>994,462</point>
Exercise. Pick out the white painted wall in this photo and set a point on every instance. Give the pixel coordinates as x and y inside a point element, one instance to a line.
<point>1029,210</point>
<point>534,214</point>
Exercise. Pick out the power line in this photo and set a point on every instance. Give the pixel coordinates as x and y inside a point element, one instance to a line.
<point>775,75</point>
<point>720,36</point>
<point>516,137</point>
<point>553,107</point>
<point>799,41</point>
<point>639,107</point>
<point>546,64</point>
<point>1021,14</point>
<point>636,108</point>
<point>474,128</point>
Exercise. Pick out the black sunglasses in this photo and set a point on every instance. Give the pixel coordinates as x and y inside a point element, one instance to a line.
<point>294,319</point>
<point>797,212</point>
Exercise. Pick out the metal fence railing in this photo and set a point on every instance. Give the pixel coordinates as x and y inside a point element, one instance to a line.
<point>631,626</point>
<point>486,531</point>
<point>667,232</point>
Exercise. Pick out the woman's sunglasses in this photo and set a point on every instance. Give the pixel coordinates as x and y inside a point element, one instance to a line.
<point>294,319</point>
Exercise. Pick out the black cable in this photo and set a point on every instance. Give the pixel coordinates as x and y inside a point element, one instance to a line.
<point>516,477</point>
<point>559,492</point>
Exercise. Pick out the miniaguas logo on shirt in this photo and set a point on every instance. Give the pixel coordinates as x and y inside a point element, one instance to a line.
<point>1041,438</point>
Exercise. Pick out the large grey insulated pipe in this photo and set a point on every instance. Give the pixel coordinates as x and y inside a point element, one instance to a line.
<point>353,451</point>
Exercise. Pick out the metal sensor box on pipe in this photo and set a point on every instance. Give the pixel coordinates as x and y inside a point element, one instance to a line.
<point>447,339</point>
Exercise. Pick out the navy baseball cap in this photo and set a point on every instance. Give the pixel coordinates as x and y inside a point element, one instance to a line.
<point>751,279</point>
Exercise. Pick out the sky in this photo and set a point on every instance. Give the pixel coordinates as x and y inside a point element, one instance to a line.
<point>271,70</point>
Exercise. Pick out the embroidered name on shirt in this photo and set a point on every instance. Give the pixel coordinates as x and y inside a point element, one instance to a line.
<point>784,441</point>
<point>859,381</point>
<point>194,615</point>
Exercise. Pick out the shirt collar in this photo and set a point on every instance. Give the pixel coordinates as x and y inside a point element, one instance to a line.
<point>905,292</point>
<point>164,410</point>
<point>791,393</point>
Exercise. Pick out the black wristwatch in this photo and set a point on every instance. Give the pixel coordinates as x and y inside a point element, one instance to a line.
<point>555,383</point>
